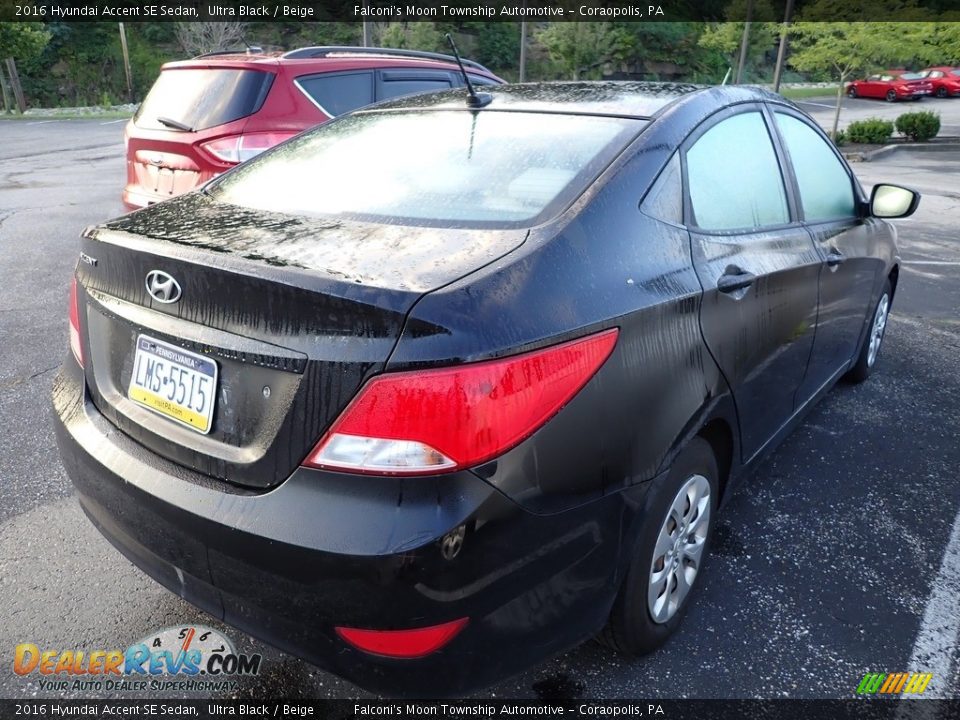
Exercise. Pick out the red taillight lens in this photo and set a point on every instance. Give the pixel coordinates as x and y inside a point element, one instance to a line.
<point>75,323</point>
<point>403,643</point>
<point>237,148</point>
<point>432,421</point>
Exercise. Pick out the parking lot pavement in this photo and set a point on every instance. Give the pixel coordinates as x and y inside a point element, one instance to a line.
<point>839,556</point>
<point>823,108</point>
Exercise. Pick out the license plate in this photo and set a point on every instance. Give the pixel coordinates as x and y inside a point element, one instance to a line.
<point>176,383</point>
<point>165,180</point>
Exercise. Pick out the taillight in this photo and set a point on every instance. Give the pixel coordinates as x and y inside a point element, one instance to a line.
<point>403,643</point>
<point>238,148</point>
<point>434,421</point>
<point>75,323</point>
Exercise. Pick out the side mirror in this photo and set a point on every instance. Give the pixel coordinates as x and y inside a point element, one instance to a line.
<point>893,201</point>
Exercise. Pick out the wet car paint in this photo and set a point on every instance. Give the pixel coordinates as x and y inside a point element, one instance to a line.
<point>551,522</point>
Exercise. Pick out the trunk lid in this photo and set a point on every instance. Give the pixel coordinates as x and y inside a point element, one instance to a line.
<point>296,314</point>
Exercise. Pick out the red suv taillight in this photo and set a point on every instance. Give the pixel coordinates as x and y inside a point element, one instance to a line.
<point>75,323</point>
<point>434,421</point>
<point>238,148</point>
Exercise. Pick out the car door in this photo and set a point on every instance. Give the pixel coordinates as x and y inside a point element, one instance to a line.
<point>757,266</point>
<point>828,202</point>
<point>873,87</point>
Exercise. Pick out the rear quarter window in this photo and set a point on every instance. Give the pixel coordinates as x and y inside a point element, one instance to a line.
<point>201,98</point>
<point>337,94</point>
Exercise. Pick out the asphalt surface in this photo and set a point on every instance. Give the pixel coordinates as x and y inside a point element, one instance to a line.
<point>824,108</point>
<point>839,556</point>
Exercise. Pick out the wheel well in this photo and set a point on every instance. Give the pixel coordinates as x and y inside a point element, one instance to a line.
<point>894,276</point>
<point>718,434</point>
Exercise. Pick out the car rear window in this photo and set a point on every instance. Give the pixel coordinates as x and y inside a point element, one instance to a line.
<point>448,168</point>
<point>200,98</point>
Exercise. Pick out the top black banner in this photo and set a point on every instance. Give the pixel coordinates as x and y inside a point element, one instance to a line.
<point>477,10</point>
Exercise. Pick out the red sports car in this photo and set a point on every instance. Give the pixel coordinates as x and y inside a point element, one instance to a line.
<point>892,85</point>
<point>945,80</point>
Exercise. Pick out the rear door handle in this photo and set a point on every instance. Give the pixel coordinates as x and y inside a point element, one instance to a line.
<point>734,279</point>
<point>835,257</point>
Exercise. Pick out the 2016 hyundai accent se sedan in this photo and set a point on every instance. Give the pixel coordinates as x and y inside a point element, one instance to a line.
<point>439,389</point>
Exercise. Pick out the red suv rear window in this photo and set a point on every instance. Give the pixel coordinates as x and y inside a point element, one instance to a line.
<point>200,98</point>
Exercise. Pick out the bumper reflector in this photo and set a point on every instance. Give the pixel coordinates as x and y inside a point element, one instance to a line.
<point>407,644</point>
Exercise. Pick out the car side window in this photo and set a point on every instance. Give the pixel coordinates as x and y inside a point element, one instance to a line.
<point>734,178</point>
<point>664,201</point>
<point>340,93</point>
<point>826,190</point>
<point>481,80</point>
<point>396,83</point>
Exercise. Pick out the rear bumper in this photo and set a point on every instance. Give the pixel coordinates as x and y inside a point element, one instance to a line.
<point>324,550</point>
<point>136,197</point>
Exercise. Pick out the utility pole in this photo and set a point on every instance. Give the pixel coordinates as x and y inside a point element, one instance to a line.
<point>523,51</point>
<point>744,43</point>
<point>7,104</point>
<point>366,25</point>
<point>15,85</point>
<point>126,62</point>
<point>782,50</point>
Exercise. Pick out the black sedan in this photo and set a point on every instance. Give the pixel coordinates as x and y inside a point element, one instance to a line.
<point>439,389</point>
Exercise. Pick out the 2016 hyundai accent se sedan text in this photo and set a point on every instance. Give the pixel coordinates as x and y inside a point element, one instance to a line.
<point>439,389</point>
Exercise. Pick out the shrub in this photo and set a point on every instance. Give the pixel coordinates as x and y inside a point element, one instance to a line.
<point>919,126</point>
<point>873,131</point>
<point>841,138</point>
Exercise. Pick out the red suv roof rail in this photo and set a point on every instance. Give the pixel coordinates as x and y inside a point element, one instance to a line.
<point>328,50</point>
<point>251,50</point>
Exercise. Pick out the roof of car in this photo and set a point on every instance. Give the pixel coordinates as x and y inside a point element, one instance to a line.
<point>612,97</point>
<point>332,58</point>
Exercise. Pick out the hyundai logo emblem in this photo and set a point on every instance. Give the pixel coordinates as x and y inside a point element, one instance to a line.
<point>162,287</point>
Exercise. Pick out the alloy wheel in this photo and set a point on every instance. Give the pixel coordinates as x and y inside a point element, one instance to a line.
<point>678,554</point>
<point>877,329</point>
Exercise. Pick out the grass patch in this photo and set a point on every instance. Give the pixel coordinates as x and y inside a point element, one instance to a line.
<point>66,116</point>
<point>795,93</point>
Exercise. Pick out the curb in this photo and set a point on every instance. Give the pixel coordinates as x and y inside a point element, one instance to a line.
<point>867,156</point>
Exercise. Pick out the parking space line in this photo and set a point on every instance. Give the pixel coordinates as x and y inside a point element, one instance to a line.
<point>114,122</point>
<point>937,640</point>
<point>931,262</point>
<point>42,122</point>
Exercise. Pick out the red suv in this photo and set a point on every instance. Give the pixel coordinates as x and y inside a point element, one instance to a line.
<point>205,115</point>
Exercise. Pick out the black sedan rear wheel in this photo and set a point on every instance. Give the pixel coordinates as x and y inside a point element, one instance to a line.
<point>870,351</point>
<point>668,555</point>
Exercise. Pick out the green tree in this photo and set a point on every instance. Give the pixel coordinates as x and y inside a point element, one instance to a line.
<point>845,49</point>
<point>22,40</point>
<point>414,36</point>
<point>726,37</point>
<point>580,49</point>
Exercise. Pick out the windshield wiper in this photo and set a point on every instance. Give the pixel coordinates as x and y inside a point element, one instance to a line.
<point>175,124</point>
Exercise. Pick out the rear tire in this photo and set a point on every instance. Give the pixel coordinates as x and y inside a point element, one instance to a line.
<point>851,92</point>
<point>668,555</point>
<point>870,352</point>
<point>941,92</point>
<point>891,95</point>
